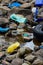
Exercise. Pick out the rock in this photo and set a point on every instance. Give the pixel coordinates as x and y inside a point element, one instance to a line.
<point>36,48</point>
<point>17,61</point>
<point>26,63</point>
<point>42,43</point>
<point>22,51</point>
<point>6,1</point>
<point>3,21</point>
<point>10,57</point>
<point>30,58</point>
<point>2,54</point>
<point>39,53</point>
<point>0,0</point>
<point>4,62</point>
<point>38,62</point>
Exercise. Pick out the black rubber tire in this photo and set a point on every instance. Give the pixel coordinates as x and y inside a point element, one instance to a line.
<point>38,32</point>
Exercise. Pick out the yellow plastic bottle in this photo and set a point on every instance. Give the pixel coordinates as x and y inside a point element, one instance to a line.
<point>12,47</point>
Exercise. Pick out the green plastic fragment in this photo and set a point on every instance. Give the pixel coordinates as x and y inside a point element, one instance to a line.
<point>18,19</point>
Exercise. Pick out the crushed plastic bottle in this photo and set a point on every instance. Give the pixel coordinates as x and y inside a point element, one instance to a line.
<point>12,47</point>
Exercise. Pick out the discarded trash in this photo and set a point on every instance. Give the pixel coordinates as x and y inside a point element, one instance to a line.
<point>27,36</point>
<point>35,13</point>
<point>41,47</point>
<point>14,4</point>
<point>21,32</point>
<point>38,32</point>
<point>14,32</point>
<point>30,45</point>
<point>40,19</point>
<point>3,29</point>
<point>39,2</point>
<point>12,47</point>
<point>18,18</point>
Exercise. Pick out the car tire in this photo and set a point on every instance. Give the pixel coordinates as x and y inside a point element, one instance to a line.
<point>38,32</point>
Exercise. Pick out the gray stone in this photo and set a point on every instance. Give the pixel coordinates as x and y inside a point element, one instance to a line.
<point>39,53</point>
<point>17,61</point>
<point>38,62</point>
<point>24,50</point>
<point>26,63</point>
<point>30,58</point>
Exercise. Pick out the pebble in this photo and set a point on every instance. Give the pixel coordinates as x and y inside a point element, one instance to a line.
<point>26,64</point>
<point>2,54</point>
<point>4,62</point>
<point>30,58</point>
<point>38,62</point>
<point>17,61</point>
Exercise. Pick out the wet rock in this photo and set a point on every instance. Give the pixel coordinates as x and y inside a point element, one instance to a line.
<point>13,0</point>
<point>24,1</point>
<point>38,62</point>
<point>17,61</point>
<point>30,58</point>
<point>21,52</point>
<point>28,50</point>
<point>0,48</point>
<point>13,26</point>
<point>26,5</point>
<point>26,63</point>
<point>29,17</point>
<point>4,8</point>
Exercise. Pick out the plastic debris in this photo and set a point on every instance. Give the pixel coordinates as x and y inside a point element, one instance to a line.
<point>27,36</point>
<point>14,4</point>
<point>30,45</point>
<point>18,18</point>
<point>3,29</point>
<point>12,47</point>
<point>39,2</point>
